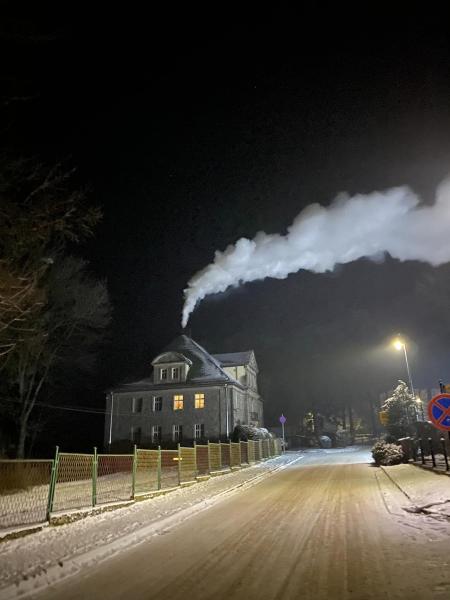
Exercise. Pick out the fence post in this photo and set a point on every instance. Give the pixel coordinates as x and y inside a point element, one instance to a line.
<point>220,454</point>
<point>52,486</point>
<point>422,454</point>
<point>260,450</point>
<point>231,454</point>
<point>209,459</point>
<point>433,459</point>
<point>133,476</point>
<point>159,468</point>
<point>195,458</point>
<point>179,464</point>
<point>444,451</point>
<point>94,477</point>
<point>240,454</point>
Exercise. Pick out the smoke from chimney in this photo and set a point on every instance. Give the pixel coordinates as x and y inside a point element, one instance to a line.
<point>350,228</point>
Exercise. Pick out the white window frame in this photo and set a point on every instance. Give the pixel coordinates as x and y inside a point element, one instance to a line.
<point>156,429</point>
<point>199,396</point>
<point>155,399</point>
<point>177,433</point>
<point>198,434</point>
<point>163,374</point>
<point>176,373</point>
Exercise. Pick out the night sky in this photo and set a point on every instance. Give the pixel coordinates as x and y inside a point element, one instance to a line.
<point>190,138</point>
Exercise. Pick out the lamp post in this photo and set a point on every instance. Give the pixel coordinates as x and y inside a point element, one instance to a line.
<point>399,345</point>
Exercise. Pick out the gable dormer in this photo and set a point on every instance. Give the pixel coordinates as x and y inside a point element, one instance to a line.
<point>170,367</point>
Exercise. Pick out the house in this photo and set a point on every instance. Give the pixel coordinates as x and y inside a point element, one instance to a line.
<point>190,395</point>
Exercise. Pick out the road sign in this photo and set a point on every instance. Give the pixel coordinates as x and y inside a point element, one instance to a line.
<point>282,419</point>
<point>439,411</point>
<point>384,417</point>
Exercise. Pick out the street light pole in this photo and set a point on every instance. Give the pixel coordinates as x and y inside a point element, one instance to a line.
<point>407,368</point>
<point>400,344</point>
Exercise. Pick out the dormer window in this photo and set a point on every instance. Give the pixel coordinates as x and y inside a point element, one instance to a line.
<point>163,374</point>
<point>176,373</point>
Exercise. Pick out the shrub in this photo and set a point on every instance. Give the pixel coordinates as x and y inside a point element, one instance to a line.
<point>387,454</point>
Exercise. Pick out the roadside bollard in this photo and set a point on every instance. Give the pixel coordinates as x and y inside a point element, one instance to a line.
<point>422,453</point>
<point>444,452</point>
<point>433,458</point>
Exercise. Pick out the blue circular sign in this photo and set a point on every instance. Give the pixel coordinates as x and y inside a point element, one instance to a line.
<point>439,411</point>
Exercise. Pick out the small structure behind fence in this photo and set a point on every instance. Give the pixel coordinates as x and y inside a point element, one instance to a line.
<point>32,490</point>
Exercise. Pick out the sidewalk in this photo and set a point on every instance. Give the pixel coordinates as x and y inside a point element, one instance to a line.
<point>427,492</point>
<point>55,552</point>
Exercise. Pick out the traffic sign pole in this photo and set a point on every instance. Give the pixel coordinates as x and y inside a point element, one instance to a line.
<point>282,420</point>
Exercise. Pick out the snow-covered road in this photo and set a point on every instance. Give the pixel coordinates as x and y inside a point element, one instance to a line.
<point>328,526</point>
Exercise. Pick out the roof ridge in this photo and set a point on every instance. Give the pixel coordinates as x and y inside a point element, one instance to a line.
<point>211,358</point>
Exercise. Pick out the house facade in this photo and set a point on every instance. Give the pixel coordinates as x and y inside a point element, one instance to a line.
<point>190,395</point>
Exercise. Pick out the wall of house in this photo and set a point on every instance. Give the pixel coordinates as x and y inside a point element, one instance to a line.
<point>213,416</point>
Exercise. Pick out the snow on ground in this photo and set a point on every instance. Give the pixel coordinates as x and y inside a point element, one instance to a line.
<point>428,492</point>
<point>31,562</point>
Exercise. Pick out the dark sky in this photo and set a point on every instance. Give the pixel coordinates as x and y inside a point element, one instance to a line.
<point>190,137</point>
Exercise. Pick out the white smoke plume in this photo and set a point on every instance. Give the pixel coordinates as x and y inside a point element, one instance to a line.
<point>392,221</point>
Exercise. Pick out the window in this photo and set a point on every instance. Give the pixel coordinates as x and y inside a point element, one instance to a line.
<point>199,431</point>
<point>163,374</point>
<point>199,400</point>
<point>136,434</point>
<point>177,433</point>
<point>136,405</point>
<point>175,372</point>
<point>178,402</point>
<point>156,434</point>
<point>157,403</point>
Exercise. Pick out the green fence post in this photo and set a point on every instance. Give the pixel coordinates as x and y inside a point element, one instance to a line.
<point>52,485</point>
<point>209,459</point>
<point>94,477</point>
<point>159,468</point>
<point>179,464</point>
<point>230,453</point>
<point>220,455</point>
<point>133,476</point>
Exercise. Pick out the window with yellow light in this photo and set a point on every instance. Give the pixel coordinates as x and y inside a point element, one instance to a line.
<point>178,402</point>
<point>199,400</point>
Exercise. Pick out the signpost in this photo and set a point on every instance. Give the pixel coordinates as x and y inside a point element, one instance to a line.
<point>282,420</point>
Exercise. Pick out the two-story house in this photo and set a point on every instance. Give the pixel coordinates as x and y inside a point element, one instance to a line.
<point>191,394</point>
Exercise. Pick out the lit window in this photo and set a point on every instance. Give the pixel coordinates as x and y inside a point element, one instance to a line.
<point>136,405</point>
<point>157,403</point>
<point>163,374</point>
<point>156,434</point>
<point>177,433</point>
<point>175,372</point>
<point>199,400</point>
<point>199,431</point>
<point>178,402</point>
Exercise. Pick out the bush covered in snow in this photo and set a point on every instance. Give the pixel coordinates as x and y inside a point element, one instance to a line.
<point>401,410</point>
<point>387,454</point>
<point>248,432</point>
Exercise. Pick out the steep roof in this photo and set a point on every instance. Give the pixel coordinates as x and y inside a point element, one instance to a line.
<point>234,359</point>
<point>205,368</point>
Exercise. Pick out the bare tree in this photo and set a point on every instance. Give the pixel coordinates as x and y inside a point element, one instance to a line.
<point>49,305</point>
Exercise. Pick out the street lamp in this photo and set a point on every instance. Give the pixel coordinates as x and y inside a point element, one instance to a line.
<point>399,345</point>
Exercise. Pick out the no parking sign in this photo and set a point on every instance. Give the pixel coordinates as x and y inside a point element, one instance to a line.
<point>439,411</point>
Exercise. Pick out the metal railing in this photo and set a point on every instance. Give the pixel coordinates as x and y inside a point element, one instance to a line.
<point>33,490</point>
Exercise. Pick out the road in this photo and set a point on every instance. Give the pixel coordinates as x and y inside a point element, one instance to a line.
<point>328,527</point>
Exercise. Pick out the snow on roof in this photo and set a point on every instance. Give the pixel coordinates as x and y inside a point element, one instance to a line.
<point>234,359</point>
<point>204,367</point>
